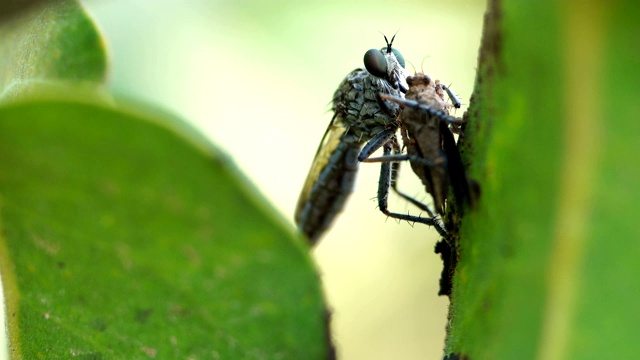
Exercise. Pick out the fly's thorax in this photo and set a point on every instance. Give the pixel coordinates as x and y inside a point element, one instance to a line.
<point>357,107</point>
<point>375,85</point>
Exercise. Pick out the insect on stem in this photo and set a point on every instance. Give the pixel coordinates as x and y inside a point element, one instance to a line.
<point>359,114</point>
<point>431,148</point>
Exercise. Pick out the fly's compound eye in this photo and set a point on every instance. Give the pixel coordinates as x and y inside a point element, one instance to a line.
<point>375,63</point>
<point>399,57</point>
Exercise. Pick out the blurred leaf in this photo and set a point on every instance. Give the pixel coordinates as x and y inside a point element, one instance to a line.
<point>50,42</point>
<point>124,235</point>
<point>548,262</point>
<point>121,240</point>
<point>15,7</point>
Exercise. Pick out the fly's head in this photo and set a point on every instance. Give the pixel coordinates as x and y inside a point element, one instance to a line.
<point>387,64</point>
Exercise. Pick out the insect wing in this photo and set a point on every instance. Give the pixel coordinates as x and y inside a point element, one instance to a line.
<point>330,181</point>
<point>456,169</point>
<point>421,136</point>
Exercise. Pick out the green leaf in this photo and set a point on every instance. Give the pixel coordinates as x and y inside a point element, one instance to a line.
<point>122,239</point>
<point>51,42</point>
<point>124,233</point>
<point>548,261</point>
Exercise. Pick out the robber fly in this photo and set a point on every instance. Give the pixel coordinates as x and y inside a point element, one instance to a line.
<point>430,146</point>
<point>360,116</point>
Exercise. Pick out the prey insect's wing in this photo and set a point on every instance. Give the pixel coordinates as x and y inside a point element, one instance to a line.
<point>420,134</point>
<point>456,169</point>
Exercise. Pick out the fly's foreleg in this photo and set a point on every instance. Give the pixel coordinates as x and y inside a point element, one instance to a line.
<point>376,142</point>
<point>428,109</point>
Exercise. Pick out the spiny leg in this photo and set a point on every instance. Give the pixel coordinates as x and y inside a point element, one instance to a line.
<point>387,137</point>
<point>376,142</point>
<point>426,108</point>
<point>384,184</point>
<point>454,99</point>
<point>455,168</point>
<point>395,170</point>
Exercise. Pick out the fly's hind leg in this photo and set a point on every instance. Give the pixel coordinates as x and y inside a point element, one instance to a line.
<point>388,174</point>
<point>395,170</point>
<point>393,156</point>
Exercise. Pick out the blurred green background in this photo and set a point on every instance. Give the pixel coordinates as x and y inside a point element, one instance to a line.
<point>256,77</point>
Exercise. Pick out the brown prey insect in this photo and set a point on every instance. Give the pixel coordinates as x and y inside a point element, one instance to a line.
<point>430,145</point>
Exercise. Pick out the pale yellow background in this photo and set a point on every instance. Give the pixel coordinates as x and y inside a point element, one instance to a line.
<point>257,77</point>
